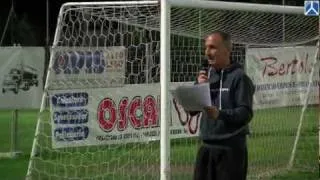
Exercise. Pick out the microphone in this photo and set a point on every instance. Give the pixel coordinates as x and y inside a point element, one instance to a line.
<point>204,67</point>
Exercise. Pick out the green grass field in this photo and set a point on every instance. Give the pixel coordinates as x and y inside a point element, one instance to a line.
<point>270,146</point>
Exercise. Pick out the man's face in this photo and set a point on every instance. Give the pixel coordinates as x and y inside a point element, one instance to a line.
<point>216,51</point>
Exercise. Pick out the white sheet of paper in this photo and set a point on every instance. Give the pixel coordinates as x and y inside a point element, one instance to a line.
<point>193,97</point>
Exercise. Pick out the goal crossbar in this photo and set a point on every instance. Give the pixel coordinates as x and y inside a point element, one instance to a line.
<point>109,3</point>
<point>251,7</point>
<point>180,27</point>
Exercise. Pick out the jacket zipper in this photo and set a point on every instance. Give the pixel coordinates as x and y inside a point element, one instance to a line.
<point>220,90</point>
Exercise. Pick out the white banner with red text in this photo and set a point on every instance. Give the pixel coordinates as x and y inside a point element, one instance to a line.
<point>114,115</point>
<point>281,76</point>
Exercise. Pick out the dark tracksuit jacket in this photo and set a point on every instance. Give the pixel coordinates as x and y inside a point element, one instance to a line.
<point>224,138</point>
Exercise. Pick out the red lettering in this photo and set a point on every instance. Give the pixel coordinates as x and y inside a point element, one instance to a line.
<point>272,67</point>
<point>114,64</point>
<point>150,112</point>
<point>123,114</point>
<point>191,123</point>
<point>282,70</point>
<point>133,116</point>
<point>269,68</point>
<point>107,106</point>
<point>139,112</point>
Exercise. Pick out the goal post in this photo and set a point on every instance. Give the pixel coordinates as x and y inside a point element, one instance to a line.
<point>165,71</point>
<point>306,102</point>
<point>107,113</point>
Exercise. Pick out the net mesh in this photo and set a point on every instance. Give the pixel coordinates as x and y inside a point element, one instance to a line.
<point>90,31</point>
<point>264,28</point>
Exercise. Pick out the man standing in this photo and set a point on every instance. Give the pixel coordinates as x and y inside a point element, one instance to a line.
<point>224,125</point>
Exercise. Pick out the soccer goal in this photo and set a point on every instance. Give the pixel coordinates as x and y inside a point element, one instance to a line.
<point>102,116</point>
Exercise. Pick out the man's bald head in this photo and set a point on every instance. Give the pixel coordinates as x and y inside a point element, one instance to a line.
<point>218,47</point>
<point>226,38</point>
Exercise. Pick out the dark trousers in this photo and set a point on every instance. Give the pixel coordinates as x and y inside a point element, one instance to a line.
<point>222,162</point>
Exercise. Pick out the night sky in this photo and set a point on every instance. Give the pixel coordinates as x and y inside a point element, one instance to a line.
<point>28,26</point>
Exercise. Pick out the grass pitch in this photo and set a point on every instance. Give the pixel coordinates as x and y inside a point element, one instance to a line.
<point>270,146</point>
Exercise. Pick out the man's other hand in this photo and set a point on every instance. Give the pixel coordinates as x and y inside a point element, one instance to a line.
<point>212,112</point>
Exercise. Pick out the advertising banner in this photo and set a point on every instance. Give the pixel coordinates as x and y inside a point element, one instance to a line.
<point>21,77</point>
<point>114,115</point>
<point>281,76</point>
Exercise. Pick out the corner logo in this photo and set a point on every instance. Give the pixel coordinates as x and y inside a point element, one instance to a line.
<point>311,8</point>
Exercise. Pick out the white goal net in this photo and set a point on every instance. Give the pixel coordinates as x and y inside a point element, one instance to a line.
<point>100,114</point>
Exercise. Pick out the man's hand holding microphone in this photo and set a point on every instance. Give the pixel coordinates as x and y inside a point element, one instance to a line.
<point>203,76</point>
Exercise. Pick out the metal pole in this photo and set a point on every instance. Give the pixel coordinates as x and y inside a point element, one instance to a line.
<point>318,63</point>
<point>47,41</point>
<point>47,23</point>
<point>6,25</point>
<point>147,65</point>
<point>14,128</point>
<point>164,88</point>
<point>283,23</point>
